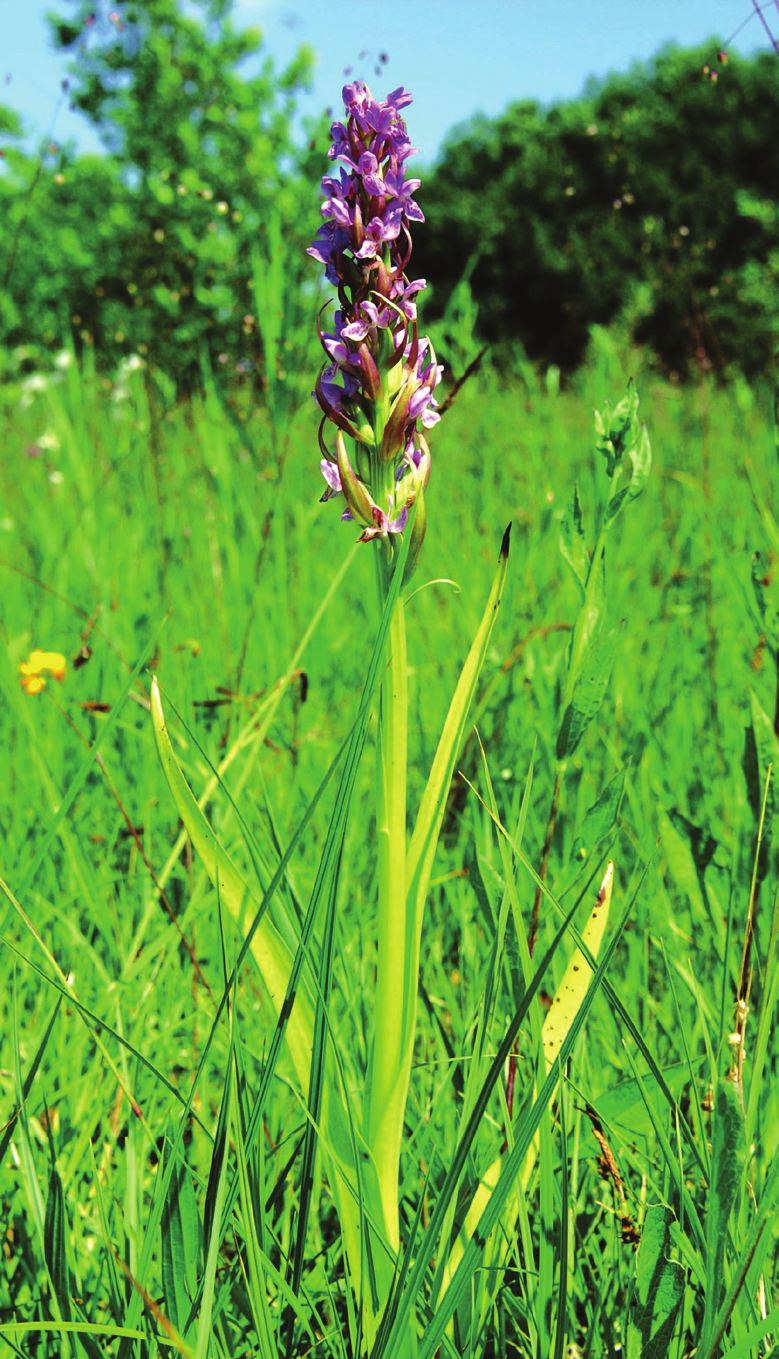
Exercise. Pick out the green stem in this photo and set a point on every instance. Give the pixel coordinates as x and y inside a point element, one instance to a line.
<point>389,1077</point>
<point>589,612</point>
<point>586,623</point>
<point>545,853</point>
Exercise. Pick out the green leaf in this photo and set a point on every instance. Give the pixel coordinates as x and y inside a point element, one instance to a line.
<point>727,1160</point>
<point>180,1245</point>
<point>761,749</point>
<point>640,455</point>
<point>681,866</point>
<point>28,1080</point>
<point>573,544</point>
<point>214,1205</point>
<point>624,1104</point>
<point>657,1292</point>
<point>431,812</point>
<point>588,693</point>
<point>617,429</point>
<point>752,1253</point>
<point>589,623</point>
<point>769,614</point>
<point>599,821</point>
<point>54,1242</point>
<point>270,952</point>
<point>219,1160</point>
<point>161,190</point>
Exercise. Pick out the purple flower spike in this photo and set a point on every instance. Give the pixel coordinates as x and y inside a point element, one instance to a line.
<point>378,382</point>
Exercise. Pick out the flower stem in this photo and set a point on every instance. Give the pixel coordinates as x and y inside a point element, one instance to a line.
<point>389,1076</point>
<point>545,853</point>
<point>588,621</point>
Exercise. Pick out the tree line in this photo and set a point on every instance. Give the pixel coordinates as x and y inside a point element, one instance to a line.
<point>649,203</point>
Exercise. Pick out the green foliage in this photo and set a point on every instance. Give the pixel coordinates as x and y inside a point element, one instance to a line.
<point>649,203</point>
<point>589,692</point>
<point>151,249</point>
<point>161,1076</point>
<point>180,1253</point>
<point>659,1290</point>
<point>650,200</point>
<point>727,1163</point>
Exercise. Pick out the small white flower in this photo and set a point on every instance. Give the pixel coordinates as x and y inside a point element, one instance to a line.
<point>132,364</point>
<point>36,382</point>
<point>63,360</point>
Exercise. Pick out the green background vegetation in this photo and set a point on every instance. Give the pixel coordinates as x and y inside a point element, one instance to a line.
<point>167,516</point>
<point>649,203</point>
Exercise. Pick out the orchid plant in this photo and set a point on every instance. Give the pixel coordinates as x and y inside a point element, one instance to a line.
<point>376,393</point>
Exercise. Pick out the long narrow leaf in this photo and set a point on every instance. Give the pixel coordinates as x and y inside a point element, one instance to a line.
<point>428,824</point>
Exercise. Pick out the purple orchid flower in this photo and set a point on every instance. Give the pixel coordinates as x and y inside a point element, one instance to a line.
<point>333,478</point>
<point>377,385</point>
<point>400,189</point>
<point>382,525</point>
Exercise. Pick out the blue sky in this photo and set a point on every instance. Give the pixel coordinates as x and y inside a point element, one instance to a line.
<point>456,56</point>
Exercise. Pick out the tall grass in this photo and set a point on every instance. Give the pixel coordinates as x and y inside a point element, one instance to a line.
<point>154,1171</point>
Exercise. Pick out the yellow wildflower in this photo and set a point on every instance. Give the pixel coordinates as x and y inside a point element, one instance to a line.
<point>41,663</point>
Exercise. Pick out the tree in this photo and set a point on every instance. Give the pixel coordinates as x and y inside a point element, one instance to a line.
<point>206,157</point>
<point>624,203</point>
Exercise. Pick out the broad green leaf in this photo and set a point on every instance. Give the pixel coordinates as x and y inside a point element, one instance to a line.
<point>727,1161</point>
<point>624,1104</point>
<point>681,866</point>
<point>588,693</point>
<point>597,825</point>
<point>573,544</point>
<point>388,1108</point>
<point>54,1227</point>
<point>658,1290</point>
<point>180,1245</point>
<point>760,751</point>
<point>214,1205</point>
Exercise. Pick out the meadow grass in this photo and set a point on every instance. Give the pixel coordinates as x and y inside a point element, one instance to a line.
<point>186,540</point>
